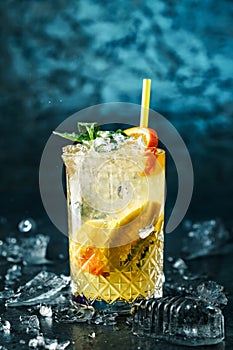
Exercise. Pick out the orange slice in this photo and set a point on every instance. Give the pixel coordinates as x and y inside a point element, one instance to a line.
<point>149,136</point>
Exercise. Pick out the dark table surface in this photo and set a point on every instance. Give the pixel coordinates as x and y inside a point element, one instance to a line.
<point>217,267</point>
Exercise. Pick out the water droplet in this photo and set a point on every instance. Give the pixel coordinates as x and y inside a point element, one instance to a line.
<point>170,259</point>
<point>27,225</point>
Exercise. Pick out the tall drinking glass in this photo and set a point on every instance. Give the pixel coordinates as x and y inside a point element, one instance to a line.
<point>115,197</point>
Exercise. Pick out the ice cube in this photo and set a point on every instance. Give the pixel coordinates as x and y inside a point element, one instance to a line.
<point>145,231</point>
<point>180,265</point>
<point>33,343</point>
<point>178,278</point>
<point>63,345</point>
<point>31,250</point>
<point>212,293</point>
<point>10,250</point>
<point>46,343</point>
<point>74,313</point>
<point>34,249</point>
<point>30,323</point>
<point>27,225</point>
<point>43,287</point>
<point>205,238</point>
<point>13,275</point>
<point>46,311</point>
<point>106,319</point>
<point>91,335</point>
<point>51,344</point>
<point>6,293</point>
<point>105,144</point>
<point>5,326</point>
<point>181,320</point>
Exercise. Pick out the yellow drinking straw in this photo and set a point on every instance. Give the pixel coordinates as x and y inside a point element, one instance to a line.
<point>145,104</point>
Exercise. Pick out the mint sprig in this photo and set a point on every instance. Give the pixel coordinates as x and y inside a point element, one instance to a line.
<point>87,132</point>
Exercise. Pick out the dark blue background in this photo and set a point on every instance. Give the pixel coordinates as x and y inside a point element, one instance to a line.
<point>58,57</point>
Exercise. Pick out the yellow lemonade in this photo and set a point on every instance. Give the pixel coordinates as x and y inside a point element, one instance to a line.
<point>115,199</point>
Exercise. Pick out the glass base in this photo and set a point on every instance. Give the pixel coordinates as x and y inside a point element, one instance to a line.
<point>121,307</point>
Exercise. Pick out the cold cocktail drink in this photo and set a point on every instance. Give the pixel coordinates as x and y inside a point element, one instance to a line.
<point>115,196</point>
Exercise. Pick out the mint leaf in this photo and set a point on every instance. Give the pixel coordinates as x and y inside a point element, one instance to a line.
<point>70,136</point>
<point>120,131</point>
<point>88,130</point>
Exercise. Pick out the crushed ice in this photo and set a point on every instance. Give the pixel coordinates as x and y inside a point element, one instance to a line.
<point>105,319</point>
<point>105,144</point>
<point>190,314</point>
<point>211,292</point>
<point>30,324</point>
<point>74,313</point>
<point>46,311</point>
<point>205,238</point>
<point>13,275</point>
<point>44,343</point>
<point>41,288</point>
<point>29,250</point>
<point>5,326</point>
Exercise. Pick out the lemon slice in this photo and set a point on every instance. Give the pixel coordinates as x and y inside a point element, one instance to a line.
<point>98,232</point>
<point>95,233</point>
<point>127,227</point>
<point>123,229</point>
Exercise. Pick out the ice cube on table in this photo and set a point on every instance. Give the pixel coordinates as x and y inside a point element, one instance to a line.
<point>5,326</point>
<point>106,319</point>
<point>35,248</point>
<point>180,265</point>
<point>181,320</point>
<point>45,343</point>
<point>63,345</point>
<point>43,287</point>
<point>212,293</point>
<point>10,250</point>
<point>30,323</point>
<point>13,275</point>
<point>205,238</point>
<point>51,344</point>
<point>74,314</point>
<point>30,250</point>
<point>6,293</point>
<point>179,280</point>
<point>46,311</point>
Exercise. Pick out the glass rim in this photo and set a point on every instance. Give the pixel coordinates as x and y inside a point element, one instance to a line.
<point>159,151</point>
